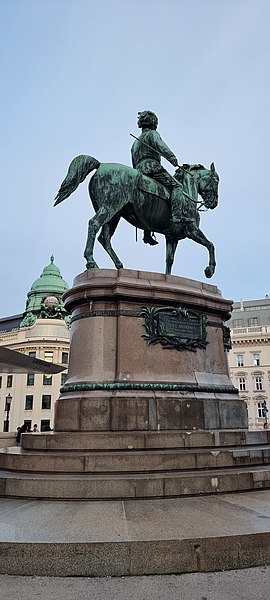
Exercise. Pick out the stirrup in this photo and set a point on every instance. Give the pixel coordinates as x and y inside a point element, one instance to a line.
<point>149,238</point>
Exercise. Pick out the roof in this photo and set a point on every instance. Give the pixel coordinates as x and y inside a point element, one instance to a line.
<point>11,323</point>
<point>252,304</point>
<point>16,362</point>
<point>50,281</point>
<point>250,313</point>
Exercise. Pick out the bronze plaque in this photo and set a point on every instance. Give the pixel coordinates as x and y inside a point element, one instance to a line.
<point>175,327</point>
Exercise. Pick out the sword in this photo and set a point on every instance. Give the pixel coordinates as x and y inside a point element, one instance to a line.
<point>154,150</point>
<point>176,181</point>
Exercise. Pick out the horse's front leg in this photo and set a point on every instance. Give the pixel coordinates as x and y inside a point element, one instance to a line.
<point>171,245</point>
<point>195,234</point>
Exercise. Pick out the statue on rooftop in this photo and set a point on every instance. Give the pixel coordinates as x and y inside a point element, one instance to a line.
<point>147,196</point>
<point>28,320</point>
<point>52,308</point>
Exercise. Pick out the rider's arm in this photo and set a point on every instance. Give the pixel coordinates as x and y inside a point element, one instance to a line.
<point>163,149</point>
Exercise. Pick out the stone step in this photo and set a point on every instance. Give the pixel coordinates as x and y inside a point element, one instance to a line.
<point>140,485</point>
<point>132,461</point>
<point>109,440</point>
<point>141,537</point>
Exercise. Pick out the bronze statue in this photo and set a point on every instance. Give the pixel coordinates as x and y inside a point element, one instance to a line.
<point>159,202</point>
<point>146,154</point>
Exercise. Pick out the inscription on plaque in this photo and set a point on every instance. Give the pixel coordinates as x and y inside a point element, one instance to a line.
<point>172,325</point>
<point>175,327</point>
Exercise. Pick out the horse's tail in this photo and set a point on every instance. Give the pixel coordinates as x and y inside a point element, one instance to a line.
<point>78,170</point>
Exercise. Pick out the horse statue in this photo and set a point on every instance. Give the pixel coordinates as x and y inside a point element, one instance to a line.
<point>120,191</point>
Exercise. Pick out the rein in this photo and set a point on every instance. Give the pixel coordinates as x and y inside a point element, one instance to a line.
<point>201,203</point>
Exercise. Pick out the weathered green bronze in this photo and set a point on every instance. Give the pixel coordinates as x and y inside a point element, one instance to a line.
<point>106,313</point>
<point>147,196</point>
<point>151,386</point>
<point>150,316</point>
<point>57,311</point>
<point>28,320</point>
<point>175,327</point>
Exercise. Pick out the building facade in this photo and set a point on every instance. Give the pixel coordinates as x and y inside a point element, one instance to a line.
<point>249,359</point>
<point>42,331</point>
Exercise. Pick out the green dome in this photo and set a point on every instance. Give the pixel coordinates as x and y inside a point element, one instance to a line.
<point>50,281</point>
<point>49,284</point>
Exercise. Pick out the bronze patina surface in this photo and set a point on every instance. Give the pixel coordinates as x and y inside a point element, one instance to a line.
<point>146,196</point>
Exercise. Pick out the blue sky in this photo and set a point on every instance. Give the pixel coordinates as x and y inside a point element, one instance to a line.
<point>75,73</point>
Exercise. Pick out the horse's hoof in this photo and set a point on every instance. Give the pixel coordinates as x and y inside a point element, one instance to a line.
<point>209,272</point>
<point>91,265</point>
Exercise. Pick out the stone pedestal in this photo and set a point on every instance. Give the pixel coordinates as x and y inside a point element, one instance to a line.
<point>148,409</point>
<point>147,354</point>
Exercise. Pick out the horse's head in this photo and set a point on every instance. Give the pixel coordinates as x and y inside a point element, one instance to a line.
<point>208,187</point>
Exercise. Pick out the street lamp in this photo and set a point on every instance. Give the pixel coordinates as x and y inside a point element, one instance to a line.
<point>7,409</point>
<point>265,411</point>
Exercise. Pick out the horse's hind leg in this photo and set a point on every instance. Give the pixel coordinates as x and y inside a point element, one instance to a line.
<point>103,215</point>
<point>106,234</point>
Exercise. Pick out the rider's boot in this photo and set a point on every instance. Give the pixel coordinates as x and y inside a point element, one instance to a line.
<point>176,207</point>
<point>148,238</point>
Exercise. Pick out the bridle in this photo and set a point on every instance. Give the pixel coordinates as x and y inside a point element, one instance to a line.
<point>209,190</point>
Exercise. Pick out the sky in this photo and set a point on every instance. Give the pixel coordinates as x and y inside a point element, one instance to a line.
<point>75,73</point>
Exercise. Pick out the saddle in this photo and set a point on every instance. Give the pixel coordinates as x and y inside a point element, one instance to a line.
<point>151,186</point>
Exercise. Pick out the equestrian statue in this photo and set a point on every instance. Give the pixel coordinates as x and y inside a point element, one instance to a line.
<point>146,195</point>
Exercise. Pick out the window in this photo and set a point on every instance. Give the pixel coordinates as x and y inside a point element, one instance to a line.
<point>63,378</point>
<point>0,381</point>
<point>45,425</point>
<point>258,383</point>
<point>29,402</point>
<point>253,321</point>
<point>242,384</point>
<point>240,360</point>
<point>46,402</point>
<point>237,322</point>
<point>30,379</point>
<point>9,380</point>
<point>256,360</point>
<point>28,423</point>
<point>64,358</point>
<point>261,409</point>
<point>47,379</point>
<point>48,355</point>
<point>32,354</point>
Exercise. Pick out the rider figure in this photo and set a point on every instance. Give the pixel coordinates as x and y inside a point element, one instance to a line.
<point>146,154</point>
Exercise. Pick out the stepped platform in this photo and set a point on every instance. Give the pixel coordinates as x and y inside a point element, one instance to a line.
<point>135,464</point>
<point>134,537</point>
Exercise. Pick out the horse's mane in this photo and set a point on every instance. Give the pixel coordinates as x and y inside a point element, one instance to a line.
<point>195,167</point>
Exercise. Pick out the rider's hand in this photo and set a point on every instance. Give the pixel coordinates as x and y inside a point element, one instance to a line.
<point>174,162</point>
